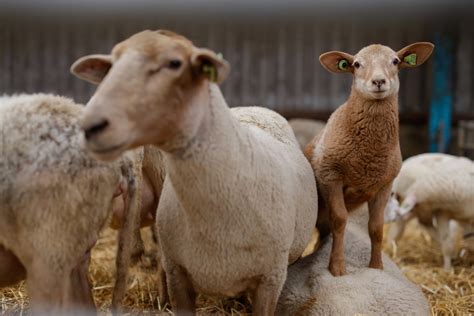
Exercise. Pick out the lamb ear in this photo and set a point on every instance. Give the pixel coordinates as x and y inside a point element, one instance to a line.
<point>415,54</point>
<point>337,62</point>
<point>208,64</point>
<point>92,68</point>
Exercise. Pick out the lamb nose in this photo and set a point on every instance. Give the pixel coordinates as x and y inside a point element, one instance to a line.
<point>378,82</point>
<point>96,128</point>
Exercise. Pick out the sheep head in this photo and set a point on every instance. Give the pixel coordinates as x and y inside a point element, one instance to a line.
<point>375,67</point>
<point>147,94</point>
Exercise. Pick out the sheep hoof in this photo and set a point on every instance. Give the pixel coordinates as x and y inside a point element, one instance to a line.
<point>376,265</point>
<point>337,269</point>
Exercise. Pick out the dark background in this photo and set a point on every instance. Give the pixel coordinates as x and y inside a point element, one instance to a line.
<point>272,46</point>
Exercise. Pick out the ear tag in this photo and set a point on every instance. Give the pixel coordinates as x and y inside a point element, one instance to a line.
<point>220,55</point>
<point>210,71</point>
<point>410,59</point>
<point>343,64</point>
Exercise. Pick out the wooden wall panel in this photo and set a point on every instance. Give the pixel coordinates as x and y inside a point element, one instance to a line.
<point>275,65</point>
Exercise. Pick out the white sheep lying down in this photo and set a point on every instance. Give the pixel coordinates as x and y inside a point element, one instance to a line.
<point>54,200</point>
<point>436,189</point>
<point>310,289</point>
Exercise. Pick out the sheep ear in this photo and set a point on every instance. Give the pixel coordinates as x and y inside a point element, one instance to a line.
<point>208,64</point>
<point>337,62</point>
<point>92,68</point>
<point>407,205</point>
<point>415,54</point>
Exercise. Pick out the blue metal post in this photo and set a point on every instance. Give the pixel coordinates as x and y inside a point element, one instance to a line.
<point>442,94</point>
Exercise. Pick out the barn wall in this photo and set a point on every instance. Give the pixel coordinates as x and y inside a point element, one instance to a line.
<point>273,64</point>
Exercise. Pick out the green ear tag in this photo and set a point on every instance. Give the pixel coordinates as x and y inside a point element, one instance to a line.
<point>220,55</point>
<point>410,59</point>
<point>343,64</point>
<point>210,71</point>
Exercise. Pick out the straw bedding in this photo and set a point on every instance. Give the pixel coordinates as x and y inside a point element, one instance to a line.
<point>417,255</point>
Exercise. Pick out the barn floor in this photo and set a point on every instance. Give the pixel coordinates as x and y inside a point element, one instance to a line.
<point>418,257</point>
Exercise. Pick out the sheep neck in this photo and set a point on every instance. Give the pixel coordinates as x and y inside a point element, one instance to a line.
<point>211,163</point>
<point>373,118</point>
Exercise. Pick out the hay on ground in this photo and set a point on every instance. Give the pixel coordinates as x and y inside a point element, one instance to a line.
<point>416,254</point>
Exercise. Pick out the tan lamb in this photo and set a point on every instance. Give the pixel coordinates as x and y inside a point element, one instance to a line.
<point>357,155</point>
<point>232,214</point>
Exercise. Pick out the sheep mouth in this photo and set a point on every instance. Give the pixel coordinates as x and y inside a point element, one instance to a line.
<point>109,153</point>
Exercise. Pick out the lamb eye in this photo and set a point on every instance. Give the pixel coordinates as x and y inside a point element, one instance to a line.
<point>357,65</point>
<point>396,61</point>
<point>174,64</point>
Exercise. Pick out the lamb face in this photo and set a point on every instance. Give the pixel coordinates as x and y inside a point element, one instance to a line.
<point>140,101</point>
<point>375,67</point>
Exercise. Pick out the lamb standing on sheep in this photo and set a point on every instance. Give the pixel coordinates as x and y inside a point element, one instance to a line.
<point>311,290</point>
<point>54,199</point>
<point>357,155</point>
<point>435,188</point>
<point>232,214</point>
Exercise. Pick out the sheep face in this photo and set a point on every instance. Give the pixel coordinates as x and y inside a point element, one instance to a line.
<point>148,93</point>
<point>375,67</point>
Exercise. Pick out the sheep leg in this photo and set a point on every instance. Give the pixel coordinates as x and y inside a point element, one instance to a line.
<point>162,285</point>
<point>181,291</point>
<point>446,238</point>
<point>376,221</point>
<point>397,228</point>
<point>81,294</point>
<point>265,296</point>
<point>334,198</point>
<point>48,287</point>
<point>11,269</point>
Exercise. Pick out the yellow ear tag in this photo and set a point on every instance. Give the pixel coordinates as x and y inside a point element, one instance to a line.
<point>210,71</point>
<point>410,59</point>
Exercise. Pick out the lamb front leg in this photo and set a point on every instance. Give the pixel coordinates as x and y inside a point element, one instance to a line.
<point>334,198</point>
<point>265,296</point>
<point>376,221</point>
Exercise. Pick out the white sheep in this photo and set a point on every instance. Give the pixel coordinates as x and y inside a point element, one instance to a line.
<point>434,188</point>
<point>311,290</point>
<point>54,200</point>
<point>305,129</point>
<point>239,200</point>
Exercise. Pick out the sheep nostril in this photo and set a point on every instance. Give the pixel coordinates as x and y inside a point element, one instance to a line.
<point>96,128</point>
<point>378,83</point>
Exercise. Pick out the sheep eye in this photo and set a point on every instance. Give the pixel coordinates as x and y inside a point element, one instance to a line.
<point>357,65</point>
<point>396,61</point>
<point>174,64</point>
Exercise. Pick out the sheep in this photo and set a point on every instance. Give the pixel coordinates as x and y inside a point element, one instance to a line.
<point>232,212</point>
<point>311,290</point>
<point>357,155</point>
<point>305,129</point>
<point>436,189</point>
<point>54,200</point>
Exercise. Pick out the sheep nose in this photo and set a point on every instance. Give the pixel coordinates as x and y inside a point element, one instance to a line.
<point>96,128</point>
<point>378,82</point>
